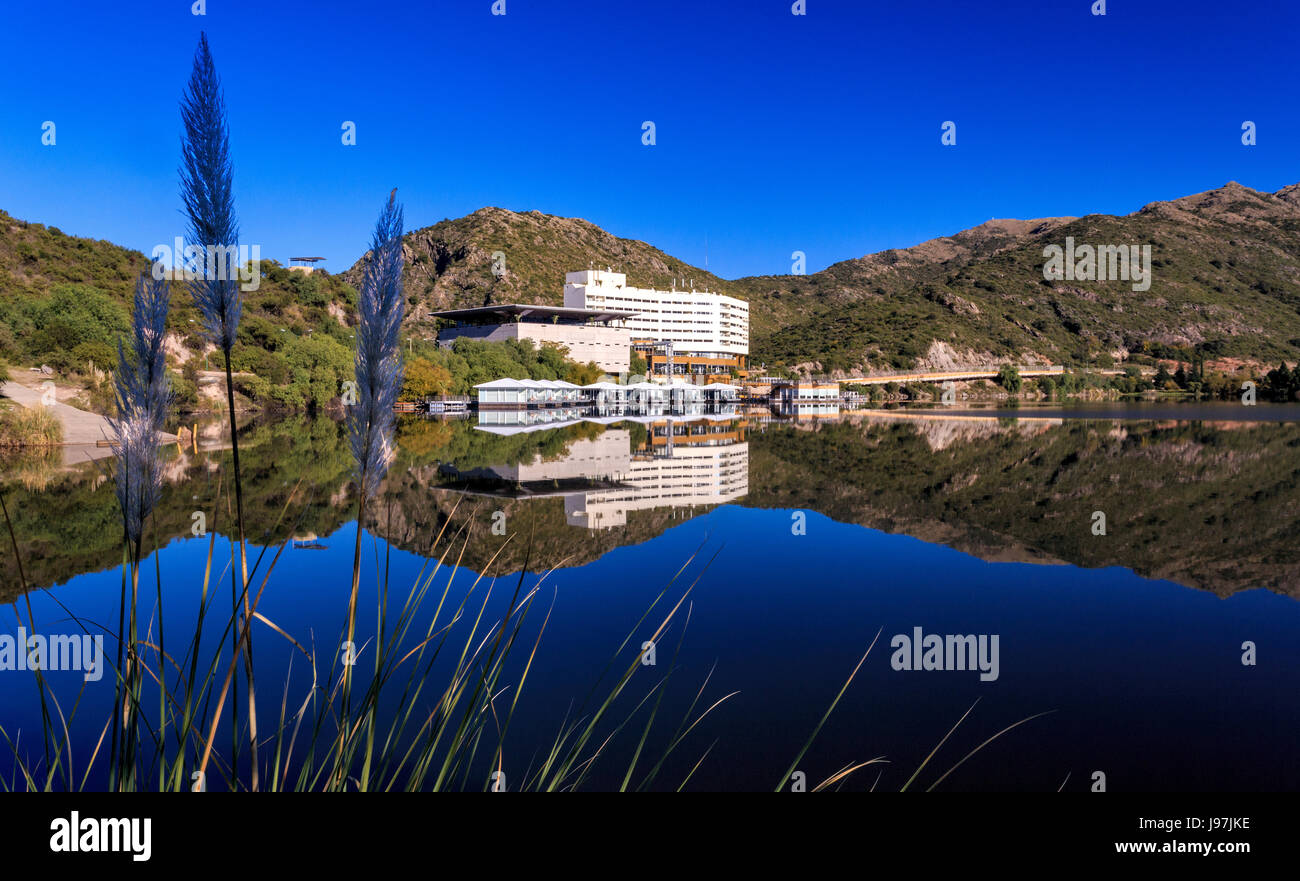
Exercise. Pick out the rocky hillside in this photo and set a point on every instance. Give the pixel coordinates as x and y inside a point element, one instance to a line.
<point>1225,281</point>
<point>450,265</point>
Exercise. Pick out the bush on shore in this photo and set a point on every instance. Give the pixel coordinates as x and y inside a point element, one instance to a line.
<point>29,427</point>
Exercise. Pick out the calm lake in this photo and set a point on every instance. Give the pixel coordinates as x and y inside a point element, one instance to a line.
<point>800,538</point>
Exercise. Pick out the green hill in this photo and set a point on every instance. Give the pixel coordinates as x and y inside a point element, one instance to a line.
<point>65,301</point>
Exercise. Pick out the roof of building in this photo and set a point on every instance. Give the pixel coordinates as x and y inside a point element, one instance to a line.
<point>555,384</point>
<point>511,311</point>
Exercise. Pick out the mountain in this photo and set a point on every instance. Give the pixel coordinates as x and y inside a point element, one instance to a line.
<point>1225,270</point>
<point>450,265</point>
<point>1224,265</point>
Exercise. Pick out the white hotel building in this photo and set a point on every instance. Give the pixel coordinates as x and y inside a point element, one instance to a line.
<point>709,332</point>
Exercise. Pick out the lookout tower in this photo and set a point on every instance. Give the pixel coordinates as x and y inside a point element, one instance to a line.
<point>304,264</point>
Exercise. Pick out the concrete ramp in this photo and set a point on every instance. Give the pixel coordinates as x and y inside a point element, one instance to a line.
<point>82,431</point>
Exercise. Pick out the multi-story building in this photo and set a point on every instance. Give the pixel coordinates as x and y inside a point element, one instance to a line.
<point>700,336</point>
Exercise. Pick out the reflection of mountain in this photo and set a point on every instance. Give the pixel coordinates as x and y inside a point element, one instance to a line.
<point>942,430</point>
<point>1189,502</point>
<point>70,524</point>
<point>538,532</point>
<point>1211,505</point>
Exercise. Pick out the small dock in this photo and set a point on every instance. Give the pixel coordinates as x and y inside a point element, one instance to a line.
<point>436,406</point>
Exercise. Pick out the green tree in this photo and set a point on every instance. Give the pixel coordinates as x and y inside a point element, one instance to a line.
<point>93,353</point>
<point>1009,378</point>
<point>1281,382</point>
<point>70,316</point>
<point>584,374</point>
<point>425,379</point>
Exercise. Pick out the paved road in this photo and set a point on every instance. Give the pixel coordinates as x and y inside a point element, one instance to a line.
<point>81,430</point>
<point>941,375</point>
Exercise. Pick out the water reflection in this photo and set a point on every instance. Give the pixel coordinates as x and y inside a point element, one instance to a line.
<point>689,459</point>
<point>1211,503</point>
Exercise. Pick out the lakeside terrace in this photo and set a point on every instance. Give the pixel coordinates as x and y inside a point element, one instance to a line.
<point>514,394</point>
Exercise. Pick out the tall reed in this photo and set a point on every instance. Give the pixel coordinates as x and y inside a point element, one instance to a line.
<point>207,191</point>
<point>143,395</point>
<point>378,377</point>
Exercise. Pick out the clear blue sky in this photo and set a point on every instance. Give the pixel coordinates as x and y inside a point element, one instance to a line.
<point>775,132</point>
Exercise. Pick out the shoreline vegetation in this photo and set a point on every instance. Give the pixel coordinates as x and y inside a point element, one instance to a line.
<point>24,427</point>
<point>433,371</point>
<point>1280,385</point>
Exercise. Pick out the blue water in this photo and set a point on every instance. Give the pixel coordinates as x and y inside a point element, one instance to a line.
<point>1142,679</point>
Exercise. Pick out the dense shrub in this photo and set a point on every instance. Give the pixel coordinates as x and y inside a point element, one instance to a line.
<point>70,316</point>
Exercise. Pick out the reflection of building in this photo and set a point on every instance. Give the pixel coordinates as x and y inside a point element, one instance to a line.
<point>679,474</point>
<point>514,420</point>
<point>644,397</point>
<point>698,335</point>
<point>596,335</point>
<point>603,457</point>
<point>801,412</point>
<point>677,463</point>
